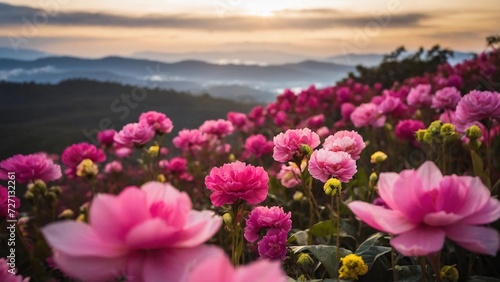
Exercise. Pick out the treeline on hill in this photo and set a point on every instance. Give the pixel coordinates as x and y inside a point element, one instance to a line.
<point>45,117</point>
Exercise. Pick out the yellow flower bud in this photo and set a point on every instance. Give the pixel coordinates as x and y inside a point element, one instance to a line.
<point>473,132</point>
<point>304,260</point>
<point>419,135</point>
<point>232,158</point>
<point>161,178</point>
<point>66,214</point>
<point>446,130</point>
<point>86,168</point>
<point>154,151</point>
<point>298,196</point>
<point>378,157</point>
<point>333,186</point>
<point>306,150</point>
<point>449,273</point>
<point>228,219</point>
<point>435,127</point>
<point>427,137</point>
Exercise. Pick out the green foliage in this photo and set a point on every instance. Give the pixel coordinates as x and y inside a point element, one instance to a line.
<point>327,255</point>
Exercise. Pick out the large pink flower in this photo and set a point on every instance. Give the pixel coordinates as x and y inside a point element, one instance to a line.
<point>325,164</point>
<point>30,167</point>
<point>106,137</point>
<point>425,207</point>
<point>446,98</point>
<point>219,268</point>
<point>135,134</point>
<point>218,127</point>
<point>258,145</point>
<point>147,234</point>
<point>73,155</point>
<point>237,180</point>
<point>347,141</point>
<point>367,114</point>
<point>266,218</point>
<point>478,105</point>
<point>159,121</point>
<point>289,144</point>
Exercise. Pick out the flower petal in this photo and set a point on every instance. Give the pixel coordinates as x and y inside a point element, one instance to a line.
<point>385,186</point>
<point>441,218</point>
<point>217,268</point>
<point>90,268</point>
<point>420,241</point>
<point>201,226</point>
<point>380,218</point>
<point>79,239</point>
<point>430,175</point>
<point>151,234</point>
<point>479,239</point>
<point>489,213</point>
<point>267,271</point>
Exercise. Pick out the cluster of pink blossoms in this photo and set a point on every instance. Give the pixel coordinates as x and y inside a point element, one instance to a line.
<point>140,133</point>
<point>76,153</point>
<point>30,167</point>
<point>278,224</point>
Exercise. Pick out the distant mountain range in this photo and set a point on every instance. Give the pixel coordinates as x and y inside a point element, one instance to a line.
<point>256,78</point>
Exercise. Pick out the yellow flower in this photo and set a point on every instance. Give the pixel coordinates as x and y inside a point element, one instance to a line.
<point>86,168</point>
<point>352,267</point>
<point>161,178</point>
<point>449,273</point>
<point>154,150</point>
<point>332,186</point>
<point>378,157</point>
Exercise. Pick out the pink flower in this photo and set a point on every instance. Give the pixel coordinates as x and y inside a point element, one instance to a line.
<point>347,141</point>
<point>76,153</point>
<point>405,129</point>
<point>346,110</point>
<point>30,167</point>
<point>258,145</point>
<point>135,134</point>
<point>219,268</point>
<point>159,121</point>
<point>391,104</point>
<point>113,166</point>
<point>267,218</point>
<point>218,127</point>
<point>4,203</point>
<point>420,96</point>
<point>237,119</point>
<point>190,140</point>
<point>289,144</point>
<point>289,175</point>
<point>316,121</point>
<point>123,152</point>
<point>425,207</point>
<point>237,180</point>
<point>478,105</point>
<point>6,276</point>
<point>105,137</point>
<point>325,164</point>
<point>273,245</point>
<point>367,114</point>
<point>147,234</point>
<point>280,118</point>
<point>446,98</point>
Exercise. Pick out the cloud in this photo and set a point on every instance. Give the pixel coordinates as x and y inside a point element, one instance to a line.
<point>313,19</point>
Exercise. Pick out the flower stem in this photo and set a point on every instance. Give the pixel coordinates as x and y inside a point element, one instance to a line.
<point>434,260</point>
<point>422,269</point>
<point>337,244</point>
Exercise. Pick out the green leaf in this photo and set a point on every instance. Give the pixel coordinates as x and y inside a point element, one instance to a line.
<point>409,273</point>
<point>300,237</point>
<point>323,229</point>
<point>373,253</point>
<point>370,242</point>
<point>478,164</point>
<point>477,278</point>
<point>326,254</point>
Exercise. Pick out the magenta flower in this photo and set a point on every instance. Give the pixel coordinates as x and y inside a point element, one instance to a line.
<point>289,175</point>
<point>346,110</point>
<point>113,166</point>
<point>425,207</point>
<point>159,121</point>
<point>237,119</point>
<point>478,105</point>
<point>273,218</point>
<point>135,134</point>
<point>4,203</point>
<point>237,180</point>
<point>405,129</point>
<point>189,140</point>
<point>73,155</point>
<point>30,167</point>
<point>258,145</point>
<point>148,233</point>
<point>106,137</point>
<point>218,127</point>
<point>219,268</point>
<point>390,104</point>
<point>420,96</point>
<point>123,152</point>
<point>6,276</point>
<point>289,144</point>
<point>346,141</point>
<point>316,121</point>
<point>273,245</point>
<point>446,98</point>
<point>367,114</point>
<point>325,164</point>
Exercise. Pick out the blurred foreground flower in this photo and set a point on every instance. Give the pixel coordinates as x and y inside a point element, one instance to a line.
<point>147,234</point>
<point>425,207</point>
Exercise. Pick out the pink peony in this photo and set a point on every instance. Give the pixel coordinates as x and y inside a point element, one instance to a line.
<point>347,141</point>
<point>273,245</point>
<point>237,180</point>
<point>6,276</point>
<point>237,119</point>
<point>73,155</point>
<point>405,129</point>
<point>159,121</point>
<point>316,121</point>
<point>106,137</point>
<point>188,140</point>
<point>267,218</point>
<point>346,110</point>
<point>420,96</point>
<point>289,175</point>
<point>325,164</point>
<point>113,166</point>
<point>390,104</point>
<point>123,152</point>
<point>4,203</point>
<point>147,234</point>
<point>30,167</point>
<point>478,105</point>
<point>258,145</point>
<point>218,127</point>
<point>135,134</point>
<point>425,207</point>
<point>446,98</point>
<point>367,114</point>
<point>280,118</point>
<point>289,144</point>
<point>219,268</point>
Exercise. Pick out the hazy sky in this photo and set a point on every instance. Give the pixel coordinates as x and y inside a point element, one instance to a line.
<point>313,27</point>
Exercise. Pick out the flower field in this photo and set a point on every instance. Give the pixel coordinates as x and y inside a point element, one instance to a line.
<point>351,182</point>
